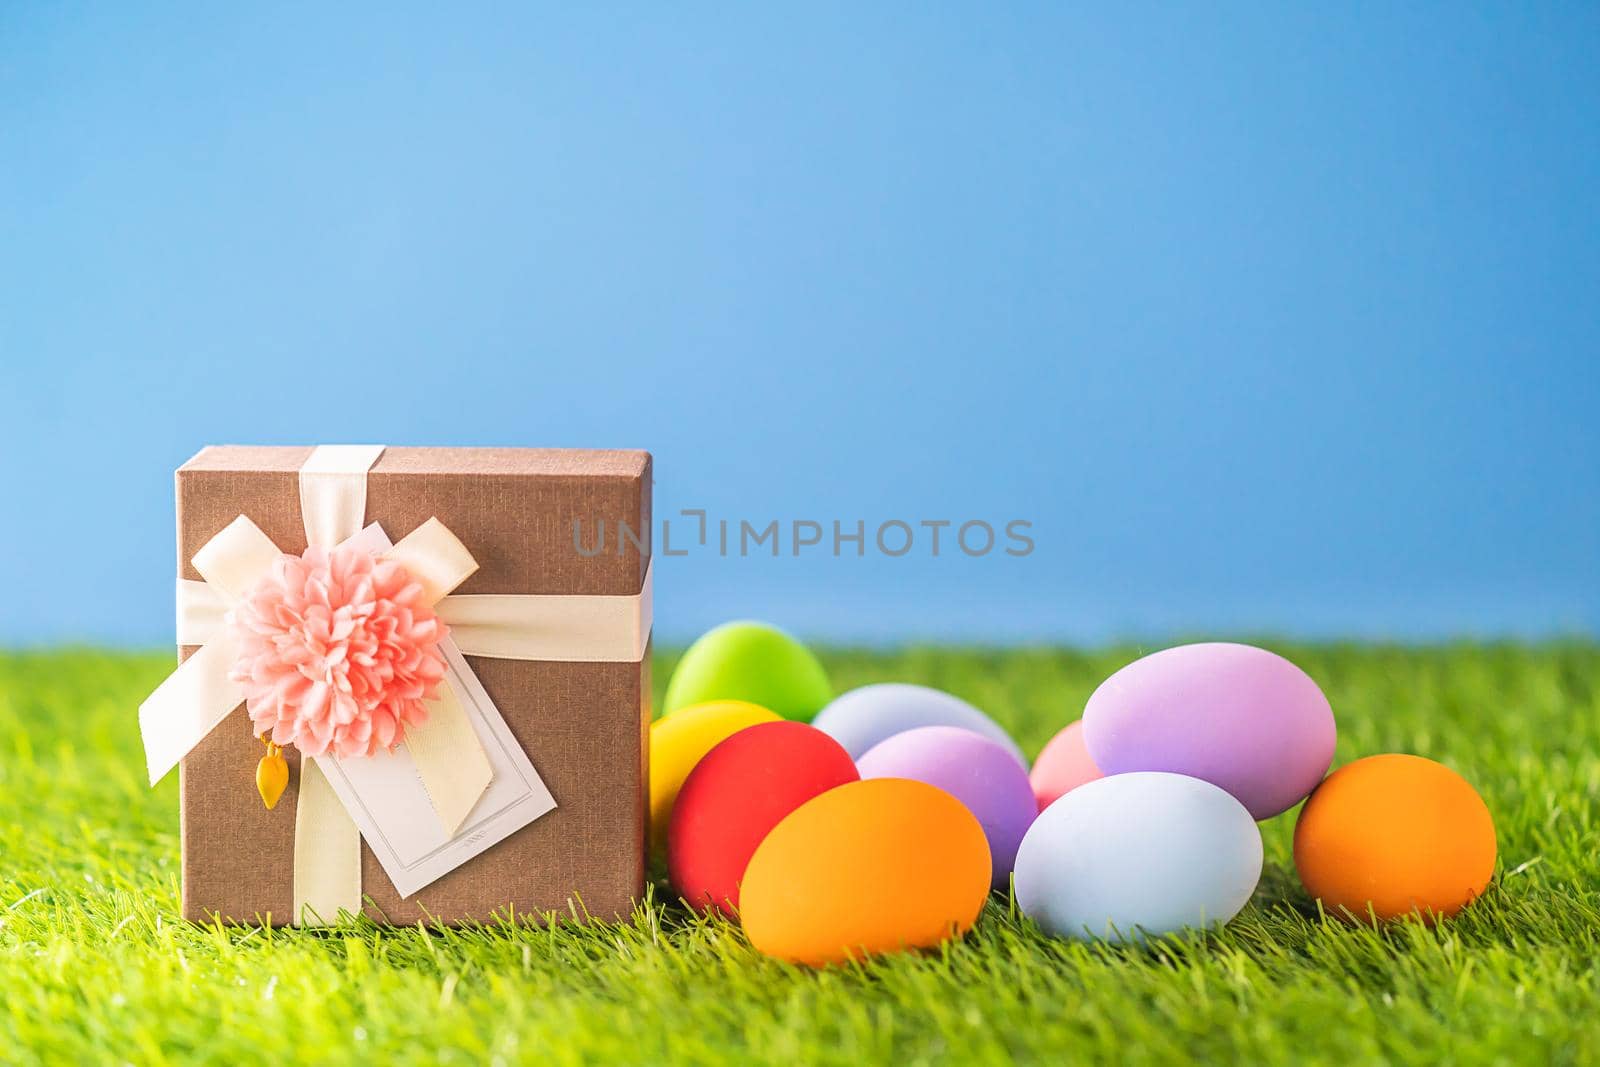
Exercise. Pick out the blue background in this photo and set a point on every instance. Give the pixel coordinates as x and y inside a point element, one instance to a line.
<point>1268,320</point>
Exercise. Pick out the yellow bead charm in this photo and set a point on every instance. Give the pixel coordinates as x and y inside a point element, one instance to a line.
<point>272,776</point>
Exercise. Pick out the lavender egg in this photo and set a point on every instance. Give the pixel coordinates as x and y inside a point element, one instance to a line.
<point>983,774</point>
<point>862,717</point>
<point>1239,717</point>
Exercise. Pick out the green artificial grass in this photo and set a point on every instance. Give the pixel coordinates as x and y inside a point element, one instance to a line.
<point>94,966</point>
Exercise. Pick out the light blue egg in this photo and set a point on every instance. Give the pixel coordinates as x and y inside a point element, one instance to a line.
<point>862,717</point>
<point>1138,854</point>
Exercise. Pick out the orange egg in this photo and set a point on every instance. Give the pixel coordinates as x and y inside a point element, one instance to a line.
<point>1399,834</point>
<point>867,867</point>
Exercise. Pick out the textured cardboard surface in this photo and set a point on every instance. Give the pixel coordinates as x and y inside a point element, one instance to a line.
<point>584,725</point>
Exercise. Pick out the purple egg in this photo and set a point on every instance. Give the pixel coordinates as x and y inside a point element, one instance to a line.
<point>983,774</point>
<point>1236,716</point>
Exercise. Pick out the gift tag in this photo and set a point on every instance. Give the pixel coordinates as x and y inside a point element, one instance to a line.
<point>386,798</point>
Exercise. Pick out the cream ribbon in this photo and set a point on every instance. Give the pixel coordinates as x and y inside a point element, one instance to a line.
<point>198,696</point>
<point>546,626</point>
<point>327,844</point>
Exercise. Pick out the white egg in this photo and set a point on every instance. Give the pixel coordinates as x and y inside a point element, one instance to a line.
<point>863,717</point>
<point>1138,854</point>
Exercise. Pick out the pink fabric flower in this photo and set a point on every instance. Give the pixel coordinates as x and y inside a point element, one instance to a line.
<point>337,652</point>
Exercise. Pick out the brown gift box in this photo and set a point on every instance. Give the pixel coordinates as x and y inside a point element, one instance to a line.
<point>585,726</point>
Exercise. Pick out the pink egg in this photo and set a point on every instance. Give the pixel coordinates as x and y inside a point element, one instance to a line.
<point>1063,766</point>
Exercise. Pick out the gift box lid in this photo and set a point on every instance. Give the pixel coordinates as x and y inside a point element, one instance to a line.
<point>538,520</point>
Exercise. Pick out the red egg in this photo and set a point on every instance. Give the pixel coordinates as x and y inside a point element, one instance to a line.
<point>735,795</point>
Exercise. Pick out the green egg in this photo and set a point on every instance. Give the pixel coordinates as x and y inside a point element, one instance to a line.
<point>750,661</point>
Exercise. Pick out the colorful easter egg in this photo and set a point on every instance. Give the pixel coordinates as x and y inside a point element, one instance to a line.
<point>733,798</point>
<point>982,774</point>
<point>1062,766</point>
<point>870,867</point>
<point>1136,855</point>
<point>678,742</point>
<point>754,662</point>
<point>1237,716</point>
<point>862,717</point>
<point>1395,834</point>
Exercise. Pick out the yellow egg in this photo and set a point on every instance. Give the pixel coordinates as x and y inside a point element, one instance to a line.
<point>677,743</point>
<point>872,866</point>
